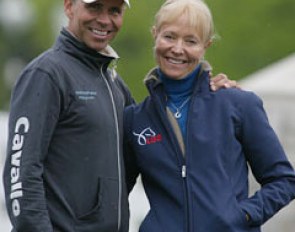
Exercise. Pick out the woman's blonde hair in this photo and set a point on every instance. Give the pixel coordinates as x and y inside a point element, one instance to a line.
<point>197,12</point>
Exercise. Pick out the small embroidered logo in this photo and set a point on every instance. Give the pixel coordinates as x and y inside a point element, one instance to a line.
<point>147,136</point>
<point>86,95</point>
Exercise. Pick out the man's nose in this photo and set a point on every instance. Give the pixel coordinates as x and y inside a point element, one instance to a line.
<point>103,17</point>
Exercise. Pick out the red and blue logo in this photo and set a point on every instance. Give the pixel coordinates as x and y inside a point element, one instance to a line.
<point>147,136</point>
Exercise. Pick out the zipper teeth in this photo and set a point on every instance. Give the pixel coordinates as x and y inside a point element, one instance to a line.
<point>118,148</point>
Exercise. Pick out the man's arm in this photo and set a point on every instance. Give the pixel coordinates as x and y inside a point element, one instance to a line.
<point>32,119</point>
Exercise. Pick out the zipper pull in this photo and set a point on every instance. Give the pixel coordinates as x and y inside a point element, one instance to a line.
<point>183,171</point>
<point>112,67</point>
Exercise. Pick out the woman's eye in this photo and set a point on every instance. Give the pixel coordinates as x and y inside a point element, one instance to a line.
<point>168,37</point>
<point>193,42</point>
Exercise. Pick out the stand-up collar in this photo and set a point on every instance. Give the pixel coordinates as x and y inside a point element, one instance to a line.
<point>201,85</point>
<point>70,44</point>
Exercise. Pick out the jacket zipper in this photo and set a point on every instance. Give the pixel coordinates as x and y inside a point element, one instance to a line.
<point>118,147</point>
<point>184,176</point>
<point>183,171</point>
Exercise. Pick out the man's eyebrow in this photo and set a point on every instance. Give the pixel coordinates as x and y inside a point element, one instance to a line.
<point>95,4</point>
<point>116,8</point>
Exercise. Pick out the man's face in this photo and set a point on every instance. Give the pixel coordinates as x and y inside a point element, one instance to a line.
<point>95,24</point>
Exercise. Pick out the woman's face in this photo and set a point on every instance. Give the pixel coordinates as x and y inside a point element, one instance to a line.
<point>178,48</point>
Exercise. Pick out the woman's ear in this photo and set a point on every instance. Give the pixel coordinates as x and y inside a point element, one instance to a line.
<point>154,32</point>
<point>208,44</point>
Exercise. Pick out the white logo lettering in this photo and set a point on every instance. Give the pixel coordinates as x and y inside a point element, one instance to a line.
<point>17,146</point>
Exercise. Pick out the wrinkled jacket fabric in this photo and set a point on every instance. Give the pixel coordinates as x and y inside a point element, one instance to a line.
<point>63,171</point>
<point>206,189</point>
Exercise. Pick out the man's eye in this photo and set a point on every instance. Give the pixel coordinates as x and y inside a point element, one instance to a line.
<point>116,11</point>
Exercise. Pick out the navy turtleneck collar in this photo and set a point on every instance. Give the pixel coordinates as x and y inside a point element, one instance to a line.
<point>178,95</point>
<point>179,88</point>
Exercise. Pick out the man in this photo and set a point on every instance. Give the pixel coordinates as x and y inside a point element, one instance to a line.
<point>64,169</point>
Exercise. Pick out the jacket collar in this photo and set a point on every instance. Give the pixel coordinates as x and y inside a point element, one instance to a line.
<point>152,80</point>
<point>71,45</point>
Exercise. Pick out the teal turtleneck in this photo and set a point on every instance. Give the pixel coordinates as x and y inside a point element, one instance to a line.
<point>179,94</point>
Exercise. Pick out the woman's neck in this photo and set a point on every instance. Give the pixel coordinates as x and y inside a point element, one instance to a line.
<point>179,88</point>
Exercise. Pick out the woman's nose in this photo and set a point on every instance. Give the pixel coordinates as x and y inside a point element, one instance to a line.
<point>178,47</point>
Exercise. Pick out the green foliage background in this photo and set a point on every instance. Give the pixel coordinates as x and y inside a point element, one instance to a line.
<point>252,35</point>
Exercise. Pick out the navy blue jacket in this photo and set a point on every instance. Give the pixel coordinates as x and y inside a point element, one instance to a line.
<point>206,189</point>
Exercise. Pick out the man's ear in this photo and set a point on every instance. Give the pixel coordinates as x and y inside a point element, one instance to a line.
<point>68,4</point>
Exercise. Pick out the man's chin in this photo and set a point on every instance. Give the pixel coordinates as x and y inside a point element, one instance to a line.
<point>97,46</point>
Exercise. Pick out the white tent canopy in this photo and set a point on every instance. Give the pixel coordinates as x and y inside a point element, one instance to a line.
<point>276,79</point>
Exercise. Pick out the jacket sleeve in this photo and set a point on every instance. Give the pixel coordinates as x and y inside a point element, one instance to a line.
<point>131,167</point>
<point>33,116</point>
<point>268,162</point>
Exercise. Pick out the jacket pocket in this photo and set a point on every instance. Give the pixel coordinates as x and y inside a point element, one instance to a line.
<point>243,217</point>
<point>231,217</point>
<point>103,216</point>
<point>94,209</point>
<point>244,220</point>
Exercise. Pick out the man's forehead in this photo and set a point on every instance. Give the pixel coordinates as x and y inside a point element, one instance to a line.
<point>90,1</point>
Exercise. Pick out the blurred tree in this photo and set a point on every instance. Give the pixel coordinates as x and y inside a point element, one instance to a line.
<point>42,30</point>
<point>135,44</point>
<point>252,34</point>
<point>20,42</point>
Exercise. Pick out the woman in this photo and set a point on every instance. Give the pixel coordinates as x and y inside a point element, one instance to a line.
<point>192,145</point>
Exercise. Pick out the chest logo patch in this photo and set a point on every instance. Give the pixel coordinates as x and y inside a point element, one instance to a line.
<point>86,95</point>
<point>147,136</point>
